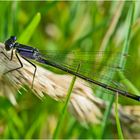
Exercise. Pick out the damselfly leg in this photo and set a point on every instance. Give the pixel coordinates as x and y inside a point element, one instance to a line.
<point>21,65</point>
<point>11,57</point>
<point>34,70</point>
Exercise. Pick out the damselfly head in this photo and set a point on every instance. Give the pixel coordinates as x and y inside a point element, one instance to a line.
<point>10,43</point>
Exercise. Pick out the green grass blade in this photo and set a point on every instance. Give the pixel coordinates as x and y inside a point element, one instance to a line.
<point>120,134</point>
<point>106,115</point>
<point>129,22</point>
<point>16,120</point>
<point>34,126</point>
<point>60,121</point>
<point>109,73</point>
<point>13,131</point>
<point>28,32</point>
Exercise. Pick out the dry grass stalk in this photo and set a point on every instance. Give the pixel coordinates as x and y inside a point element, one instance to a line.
<point>83,104</point>
<point>54,85</point>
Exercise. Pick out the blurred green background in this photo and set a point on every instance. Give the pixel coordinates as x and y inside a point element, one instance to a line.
<point>112,26</point>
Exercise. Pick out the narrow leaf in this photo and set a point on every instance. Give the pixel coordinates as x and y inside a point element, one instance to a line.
<point>28,32</point>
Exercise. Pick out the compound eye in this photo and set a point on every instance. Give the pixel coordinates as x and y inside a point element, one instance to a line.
<point>9,44</point>
<point>13,38</point>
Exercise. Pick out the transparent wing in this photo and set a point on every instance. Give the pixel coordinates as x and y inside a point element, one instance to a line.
<point>91,64</point>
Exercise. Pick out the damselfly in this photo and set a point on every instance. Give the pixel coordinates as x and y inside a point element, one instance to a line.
<point>29,53</point>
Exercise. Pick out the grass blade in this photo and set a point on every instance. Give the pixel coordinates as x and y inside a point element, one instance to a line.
<point>60,121</point>
<point>27,33</point>
<point>129,22</point>
<point>106,115</point>
<point>120,134</point>
<point>34,126</point>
